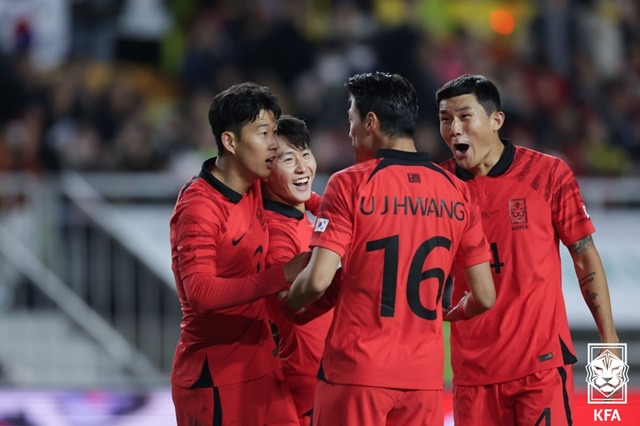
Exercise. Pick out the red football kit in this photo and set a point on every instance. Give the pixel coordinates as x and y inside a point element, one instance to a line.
<point>300,346</point>
<point>529,202</point>
<point>397,222</point>
<point>219,240</point>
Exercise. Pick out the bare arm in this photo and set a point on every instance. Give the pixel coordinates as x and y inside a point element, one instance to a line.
<point>481,298</point>
<point>314,279</point>
<point>594,287</point>
<point>324,304</point>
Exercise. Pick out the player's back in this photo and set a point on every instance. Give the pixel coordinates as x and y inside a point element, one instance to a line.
<point>407,219</point>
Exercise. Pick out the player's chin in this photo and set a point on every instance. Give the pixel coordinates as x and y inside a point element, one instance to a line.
<point>295,197</point>
<point>263,172</point>
<point>301,196</point>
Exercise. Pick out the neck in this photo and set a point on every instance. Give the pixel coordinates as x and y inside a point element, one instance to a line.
<point>490,160</point>
<point>399,144</point>
<point>226,173</point>
<point>269,195</point>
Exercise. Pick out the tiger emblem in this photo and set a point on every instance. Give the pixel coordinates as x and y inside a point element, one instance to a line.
<point>607,373</point>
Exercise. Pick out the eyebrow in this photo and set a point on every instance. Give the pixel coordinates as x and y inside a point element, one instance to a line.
<point>287,152</point>
<point>462,108</point>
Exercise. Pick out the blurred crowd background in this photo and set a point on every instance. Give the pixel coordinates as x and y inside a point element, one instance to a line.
<point>124,85</point>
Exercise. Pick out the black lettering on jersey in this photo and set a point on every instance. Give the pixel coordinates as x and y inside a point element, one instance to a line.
<point>412,206</point>
<point>362,206</point>
<point>416,276</point>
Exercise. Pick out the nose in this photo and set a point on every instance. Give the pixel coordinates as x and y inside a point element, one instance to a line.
<point>301,166</point>
<point>456,127</point>
<point>273,142</point>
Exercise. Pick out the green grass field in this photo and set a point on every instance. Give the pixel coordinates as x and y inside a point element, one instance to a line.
<point>447,355</point>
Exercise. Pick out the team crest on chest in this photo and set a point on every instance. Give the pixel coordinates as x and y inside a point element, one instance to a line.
<point>518,213</point>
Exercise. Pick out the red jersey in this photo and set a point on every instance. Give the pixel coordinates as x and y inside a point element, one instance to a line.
<point>397,222</point>
<point>219,240</point>
<point>300,346</point>
<point>529,201</point>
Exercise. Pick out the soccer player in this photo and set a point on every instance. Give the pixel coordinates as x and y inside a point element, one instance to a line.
<point>513,364</point>
<point>286,191</point>
<point>225,369</point>
<point>395,221</point>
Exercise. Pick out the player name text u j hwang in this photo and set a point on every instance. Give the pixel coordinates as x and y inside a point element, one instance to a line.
<point>413,206</point>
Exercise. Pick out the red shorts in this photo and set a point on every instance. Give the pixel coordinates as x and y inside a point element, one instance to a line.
<point>366,405</point>
<point>540,399</point>
<point>302,389</point>
<point>263,401</point>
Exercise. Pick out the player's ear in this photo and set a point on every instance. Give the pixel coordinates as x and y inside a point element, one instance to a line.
<point>229,141</point>
<point>497,120</point>
<point>371,122</point>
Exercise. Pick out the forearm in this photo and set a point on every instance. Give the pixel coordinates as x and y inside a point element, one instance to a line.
<point>206,292</point>
<point>303,292</point>
<point>595,290</point>
<point>483,291</point>
<point>311,283</point>
<point>324,304</point>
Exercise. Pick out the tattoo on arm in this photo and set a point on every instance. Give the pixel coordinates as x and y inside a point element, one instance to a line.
<point>587,279</point>
<point>581,245</point>
<point>591,300</point>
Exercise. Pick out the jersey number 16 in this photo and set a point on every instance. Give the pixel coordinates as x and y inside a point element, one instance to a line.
<point>390,245</point>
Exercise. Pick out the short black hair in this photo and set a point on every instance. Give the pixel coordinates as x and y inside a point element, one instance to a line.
<point>484,90</point>
<point>238,105</point>
<point>295,131</point>
<point>390,96</point>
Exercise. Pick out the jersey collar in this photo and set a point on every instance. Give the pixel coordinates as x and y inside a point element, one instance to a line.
<point>418,157</point>
<point>283,209</point>
<point>205,174</point>
<point>503,164</point>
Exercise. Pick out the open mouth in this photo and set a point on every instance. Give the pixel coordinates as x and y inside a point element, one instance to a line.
<point>461,148</point>
<point>302,182</point>
<point>269,161</point>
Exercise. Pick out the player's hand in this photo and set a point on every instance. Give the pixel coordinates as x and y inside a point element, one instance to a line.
<point>281,294</point>
<point>288,310</point>
<point>293,267</point>
<point>456,313</point>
